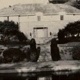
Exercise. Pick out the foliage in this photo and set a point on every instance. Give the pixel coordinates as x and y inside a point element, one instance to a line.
<point>61,35</point>
<point>9,29</point>
<point>21,36</point>
<point>76,53</point>
<point>13,55</point>
<point>76,4</point>
<point>70,31</point>
<point>8,25</point>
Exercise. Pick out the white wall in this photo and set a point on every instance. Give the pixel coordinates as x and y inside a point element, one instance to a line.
<point>3,18</point>
<point>71,17</point>
<point>53,22</point>
<point>51,18</point>
<point>52,26</point>
<point>14,18</point>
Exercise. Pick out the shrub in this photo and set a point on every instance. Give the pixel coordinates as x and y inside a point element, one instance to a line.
<point>76,53</point>
<point>13,55</point>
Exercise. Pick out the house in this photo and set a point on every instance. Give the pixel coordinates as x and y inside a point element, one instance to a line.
<point>40,21</point>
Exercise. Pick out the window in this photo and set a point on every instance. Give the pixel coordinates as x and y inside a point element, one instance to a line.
<point>50,33</point>
<point>30,34</point>
<point>39,18</point>
<point>61,17</point>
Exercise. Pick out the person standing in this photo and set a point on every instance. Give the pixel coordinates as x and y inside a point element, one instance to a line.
<point>54,50</point>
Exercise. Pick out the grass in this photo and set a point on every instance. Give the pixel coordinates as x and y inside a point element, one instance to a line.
<point>65,51</point>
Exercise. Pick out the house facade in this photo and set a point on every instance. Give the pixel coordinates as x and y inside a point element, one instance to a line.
<point>40,21</point>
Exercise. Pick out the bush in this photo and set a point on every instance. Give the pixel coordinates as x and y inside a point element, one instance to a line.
<point>70,32</point>
<point>13,55</point>
<point>10,28</point>
<point>76,53</point>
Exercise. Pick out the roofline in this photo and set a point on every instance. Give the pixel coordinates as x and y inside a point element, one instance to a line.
<point>73,14</point>
<point>45,14</point>
<point>16,15</point>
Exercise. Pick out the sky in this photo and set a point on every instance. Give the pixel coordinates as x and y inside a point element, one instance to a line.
<point>6,3</point>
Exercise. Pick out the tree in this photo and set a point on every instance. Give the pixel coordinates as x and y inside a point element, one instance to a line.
<point>70,31</point>
<point>77,24</point>
<point>7,26</point>
<point>61,35</point>
<point>10,28</point>
<point>21,36</point>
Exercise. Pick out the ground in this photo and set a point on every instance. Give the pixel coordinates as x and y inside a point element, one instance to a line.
<point>65,51</point>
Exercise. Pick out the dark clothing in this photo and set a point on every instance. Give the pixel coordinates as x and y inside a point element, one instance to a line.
<point>55,53</point>
<point>34,52</point>
<point>54,50</point>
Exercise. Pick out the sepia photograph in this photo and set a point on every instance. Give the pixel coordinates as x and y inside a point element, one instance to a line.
<point>39,39</point>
